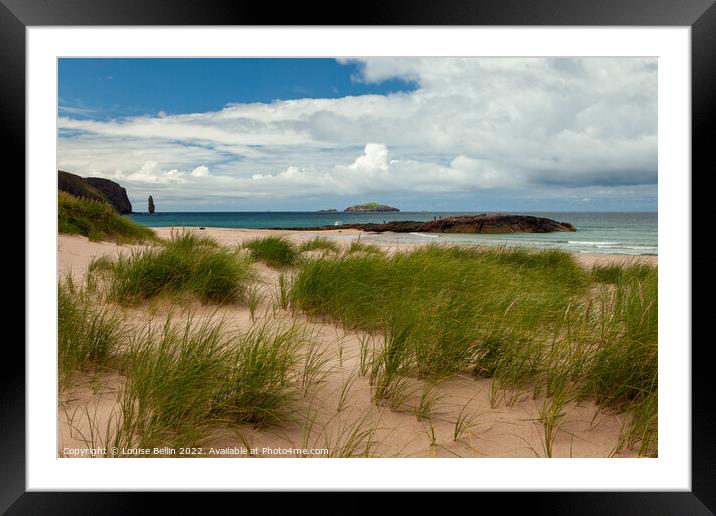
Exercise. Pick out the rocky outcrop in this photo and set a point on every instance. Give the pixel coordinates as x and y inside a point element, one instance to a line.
<point>77,186</point>
<point>150,204</point>
<point>370,206</point>
<point>95,188</point>
<point>114,192</point>
<point>483,223</point>
<point>330,210</point>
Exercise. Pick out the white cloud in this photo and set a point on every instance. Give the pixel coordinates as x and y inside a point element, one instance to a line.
<point>471,125</point>
<point>375,156</point>
<point>200,171</point>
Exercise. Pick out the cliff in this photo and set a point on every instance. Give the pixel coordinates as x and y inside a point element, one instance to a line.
<point>114,192</point>
<point>77,186</point>
<point>95,188</point>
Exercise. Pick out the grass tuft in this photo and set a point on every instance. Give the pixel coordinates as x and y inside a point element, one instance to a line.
<point>186,265</point>
<point>319,244</point>
<point>190,377</point>
<point>273,251</point>
<point>89,336</point>
<point>97,220</point>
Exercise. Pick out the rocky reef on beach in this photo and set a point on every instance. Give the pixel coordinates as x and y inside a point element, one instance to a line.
<point>483,223</point>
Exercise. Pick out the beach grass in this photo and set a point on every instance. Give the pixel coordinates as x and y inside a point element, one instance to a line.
<point>619,273</point>
<point>622,372</point>
<point>273,251</point>
<point>185,378</point>
<point>89,335</point>
<point>529,319</point>
<point>97,221</point>
<point>442,309</point>
<point>186,264</point>
<point>319,244</point>
<point>264,376</point>
<point>361,247</point>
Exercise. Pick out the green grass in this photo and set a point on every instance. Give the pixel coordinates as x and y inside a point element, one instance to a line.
<point>359,247</point>
<point>622,372</point>
<point>274,251</point>
<point>442,309</point>
<point>97,221</point>
<point>184,378</point>
<point>89,336</point>
<point>186,264</point>
<point>319,244</point>
<point>262,380</point>
<point>191,377</point>
<point>529,319</point>
<point>620,273</point>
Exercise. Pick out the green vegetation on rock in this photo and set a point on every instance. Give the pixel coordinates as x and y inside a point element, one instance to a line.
<point>97,220</point>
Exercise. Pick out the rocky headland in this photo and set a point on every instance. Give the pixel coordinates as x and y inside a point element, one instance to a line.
<point>96,188</point>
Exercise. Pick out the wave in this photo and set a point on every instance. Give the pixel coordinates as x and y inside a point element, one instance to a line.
<point>585,242</point>
<point>424,235</point>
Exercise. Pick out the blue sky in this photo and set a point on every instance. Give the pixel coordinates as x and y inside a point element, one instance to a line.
<point>108,88</point>
<point>417,133</point>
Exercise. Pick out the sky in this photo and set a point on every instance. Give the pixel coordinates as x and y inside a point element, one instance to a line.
<point>435,134</point>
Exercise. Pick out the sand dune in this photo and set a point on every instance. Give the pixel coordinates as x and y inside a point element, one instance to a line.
<point>501,426</point>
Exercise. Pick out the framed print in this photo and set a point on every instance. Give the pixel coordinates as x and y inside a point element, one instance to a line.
<point>417,251</point>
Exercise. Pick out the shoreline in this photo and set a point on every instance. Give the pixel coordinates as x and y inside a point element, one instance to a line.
<point>230,236</point>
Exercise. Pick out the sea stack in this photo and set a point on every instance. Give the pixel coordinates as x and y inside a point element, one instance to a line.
<point>151,204</point>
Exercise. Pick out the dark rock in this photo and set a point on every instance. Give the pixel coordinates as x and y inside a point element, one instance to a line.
<point>483,223</point>
<point>371,206</point>
<point>331,210</point>
<point>77,186</point>
<point>114,192</point>
<point>150,204</point>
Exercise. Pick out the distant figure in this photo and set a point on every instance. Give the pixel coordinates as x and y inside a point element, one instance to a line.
<point>151,204</point>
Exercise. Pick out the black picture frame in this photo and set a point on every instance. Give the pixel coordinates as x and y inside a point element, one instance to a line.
<point>700,15</point>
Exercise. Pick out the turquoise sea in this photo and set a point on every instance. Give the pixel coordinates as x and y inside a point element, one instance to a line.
<point>606,232</point>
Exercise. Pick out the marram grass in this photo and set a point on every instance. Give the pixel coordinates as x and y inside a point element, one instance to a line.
<point>97,221</point>
<point>442,309</point>
<point>185,265</point>
<point>185,378</point>
<point>274,251</point>
<point>319,244</point>
<point>526,318</point>
<point>89,336</point>
<point>191,377</point>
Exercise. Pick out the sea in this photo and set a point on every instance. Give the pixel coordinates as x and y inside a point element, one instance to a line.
<point>632,233</point>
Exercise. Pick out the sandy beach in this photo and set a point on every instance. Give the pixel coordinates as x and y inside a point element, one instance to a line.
<point>502,425</point>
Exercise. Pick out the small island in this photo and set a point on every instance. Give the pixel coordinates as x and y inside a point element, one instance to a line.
<point>370,206</point>
<point>330,210</point>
